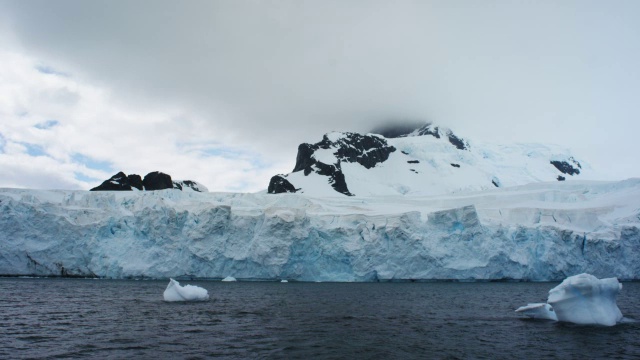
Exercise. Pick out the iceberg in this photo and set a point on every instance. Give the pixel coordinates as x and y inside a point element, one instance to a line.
<point>175,292</point>
<point>585,299</point>
<point>229,279</point>
<point>581,299</point>
<point>538,311</point>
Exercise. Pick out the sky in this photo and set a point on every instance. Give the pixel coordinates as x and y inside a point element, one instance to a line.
<point>223,92</point>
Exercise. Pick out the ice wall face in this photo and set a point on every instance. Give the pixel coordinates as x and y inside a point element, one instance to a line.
<point>538,232</point>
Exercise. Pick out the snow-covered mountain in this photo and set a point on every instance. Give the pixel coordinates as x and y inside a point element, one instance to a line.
<point>155,180</point>
<point>424,160</point>
<point>541,231</point>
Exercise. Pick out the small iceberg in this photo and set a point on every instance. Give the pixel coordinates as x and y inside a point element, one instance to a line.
<point>229,279</point>
<point>175,292</point>
<point>580,299</point>
<point>538,311</point>
<point>284,281</point>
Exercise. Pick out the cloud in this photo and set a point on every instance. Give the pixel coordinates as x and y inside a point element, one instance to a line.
<point>96,135</point>
<point>50,71</point>
<point>258,78</point>
<point>47,124</point>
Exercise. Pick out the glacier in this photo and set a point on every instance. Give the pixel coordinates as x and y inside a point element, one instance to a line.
<point>536,232</point>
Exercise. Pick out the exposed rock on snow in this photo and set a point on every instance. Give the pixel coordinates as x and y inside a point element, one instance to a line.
<point>157,181</point>
<point>543,231</point>
<point>189,185</point>
<point>569,166</point>
<point>120,182</point>
<point>325,158</point>
<point>279,184</point>
<point>431,161</point>
<point>152,181</point>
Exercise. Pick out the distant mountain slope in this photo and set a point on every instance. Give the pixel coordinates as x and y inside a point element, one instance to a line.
<point>423,160</point>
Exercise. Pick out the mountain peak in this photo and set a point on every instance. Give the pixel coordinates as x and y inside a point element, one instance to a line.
<point>417,159</point>
<point>155,180</point>
<point>399,130</point>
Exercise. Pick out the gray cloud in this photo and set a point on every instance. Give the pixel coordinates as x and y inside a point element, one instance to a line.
<point>268,75</point>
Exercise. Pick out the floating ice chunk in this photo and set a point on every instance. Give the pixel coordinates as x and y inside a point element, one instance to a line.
<point>229,278</point>
<point>580,299</point>
<point>585,299</point>
<point>175,292</point>
<point>538,311</point>
<point>284,281</point>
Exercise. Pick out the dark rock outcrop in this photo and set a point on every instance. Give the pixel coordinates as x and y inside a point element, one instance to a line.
<point>336,177</point>
<point>157,181</point>
<point>135,181</point>
<point>120,182</point>
<point>413,162</point>
<point>152,181</point>
<point>561,178</point>
<point>279,184</point>
<point>455,165</point>
<point>456,141</point>
<point>366,150</point>
<point>570,167</point>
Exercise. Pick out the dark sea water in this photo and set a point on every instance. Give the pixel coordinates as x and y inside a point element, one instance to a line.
<point>103,319</point>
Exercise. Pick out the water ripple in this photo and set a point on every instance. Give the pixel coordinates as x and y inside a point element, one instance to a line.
<point>74,318</point>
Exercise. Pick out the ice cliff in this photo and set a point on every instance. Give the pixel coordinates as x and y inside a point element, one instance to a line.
<point>543,231</point>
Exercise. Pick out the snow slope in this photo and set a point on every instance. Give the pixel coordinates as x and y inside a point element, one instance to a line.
<point>542,231</point>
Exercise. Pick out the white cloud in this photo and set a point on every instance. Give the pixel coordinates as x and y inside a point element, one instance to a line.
<point>242,83</point>
<point>61,132</point>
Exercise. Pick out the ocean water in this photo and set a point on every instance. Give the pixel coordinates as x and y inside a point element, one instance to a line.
<point>109,319</point>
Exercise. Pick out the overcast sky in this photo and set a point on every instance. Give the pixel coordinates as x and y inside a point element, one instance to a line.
<point>222,92</point>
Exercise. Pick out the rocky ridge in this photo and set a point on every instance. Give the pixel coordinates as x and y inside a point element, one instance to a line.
<point>432,160</point>
<point>155,180</point>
